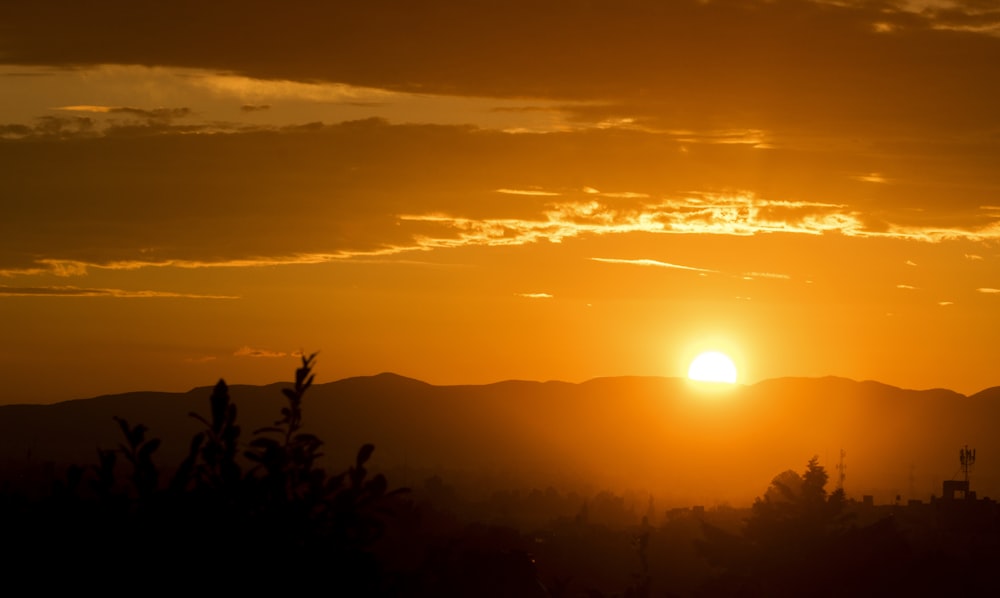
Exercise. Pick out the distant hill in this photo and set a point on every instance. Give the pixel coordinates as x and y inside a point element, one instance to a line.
<point>665,435</point>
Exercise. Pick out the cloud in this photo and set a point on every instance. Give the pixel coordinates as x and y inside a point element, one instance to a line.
<point>701,214</point>
<point>154,114</point>
<point>247,351</point>
<point>534,192</point>
<point>934,234</point>
<point>988,290</point>
<point>534,295</point>
<point>751,137</point>
<point>102,124</point>
<point>966,16</point>
<point>946,303</point>
<point>649,262</point>
<point>872,177</point>
<point>255,107</point>
<point>649,50</point>
<point>368,189</point>
<point>15,131</point>
<point>72,291</point>
<point>150,114</point>
<point>70,268</point>
<point>906,287</point>
<point>771,275</point>
<point>86,108</point>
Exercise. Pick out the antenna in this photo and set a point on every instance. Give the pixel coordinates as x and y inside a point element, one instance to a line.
<point>841,470</point>
<point>968,459</point>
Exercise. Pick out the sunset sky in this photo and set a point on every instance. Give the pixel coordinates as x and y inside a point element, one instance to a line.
<point>468,191</point>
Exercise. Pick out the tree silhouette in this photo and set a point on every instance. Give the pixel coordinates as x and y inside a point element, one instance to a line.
<point>795,513</point>
<point>800,541</point>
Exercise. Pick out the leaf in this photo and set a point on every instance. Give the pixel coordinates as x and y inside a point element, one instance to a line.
<point>149,448</point>
<point>219,401</point>
<point>265,443</point>
<point>398,491</point>
<point>365,453</point>
<point>308,439</point>
<point>358,475</point>
<point>335,482</point>
<point>123,424</point>
<point>377,485</point>
<point>200,418</point>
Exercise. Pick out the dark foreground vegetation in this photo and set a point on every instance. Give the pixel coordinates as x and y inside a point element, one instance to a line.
<point>257,512</point>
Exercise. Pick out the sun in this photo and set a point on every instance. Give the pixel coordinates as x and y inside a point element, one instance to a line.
<point>713,366</point>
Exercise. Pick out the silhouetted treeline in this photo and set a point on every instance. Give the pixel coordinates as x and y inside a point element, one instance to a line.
<point>254,512</point>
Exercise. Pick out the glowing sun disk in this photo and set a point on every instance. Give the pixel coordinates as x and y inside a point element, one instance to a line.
<point>712,366</point>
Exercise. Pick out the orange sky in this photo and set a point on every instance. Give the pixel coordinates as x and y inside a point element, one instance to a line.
<point>466,192</point>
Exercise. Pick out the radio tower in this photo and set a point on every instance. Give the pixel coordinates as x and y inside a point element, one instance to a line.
<point>968,459</point>
<point>841,470</point>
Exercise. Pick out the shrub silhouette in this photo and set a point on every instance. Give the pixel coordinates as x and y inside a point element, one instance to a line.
<point>282,517</point>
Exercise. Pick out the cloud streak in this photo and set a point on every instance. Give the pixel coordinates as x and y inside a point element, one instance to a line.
<point>72,291</point>
<point>247,351</point>
<point>649,262</point>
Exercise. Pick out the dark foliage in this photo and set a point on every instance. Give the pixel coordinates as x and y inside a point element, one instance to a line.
<point>280,520</point>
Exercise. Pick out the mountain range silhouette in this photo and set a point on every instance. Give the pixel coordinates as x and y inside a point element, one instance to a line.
<point>687,443</point>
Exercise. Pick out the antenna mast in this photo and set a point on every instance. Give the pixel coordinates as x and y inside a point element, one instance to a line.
<point>968,459</point>
<point>841,470</point>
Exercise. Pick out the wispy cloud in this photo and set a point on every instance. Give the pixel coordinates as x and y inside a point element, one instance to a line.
<point>534,192</point>
<point>649,262</point>
<point>932,234</point>
<point>741,214</point>
<point>871,177</point>
<point>154,113</point>
<point>86,108</point>
<point>771,275</point>
<point>68,268</point>
<point>906,287</point>
<point>534,295</point>
<point>988,290</point>
<point>751,137</point>
<point>71,291</point>
<point>101,123</point>
<point>247,351</point>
